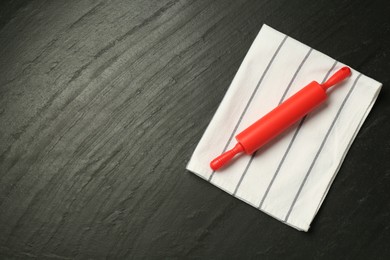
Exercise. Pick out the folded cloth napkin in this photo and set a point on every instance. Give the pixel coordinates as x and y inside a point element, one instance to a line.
<point>290,176</point>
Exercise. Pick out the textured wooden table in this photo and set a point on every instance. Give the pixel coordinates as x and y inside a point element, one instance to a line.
<point>103,102</point>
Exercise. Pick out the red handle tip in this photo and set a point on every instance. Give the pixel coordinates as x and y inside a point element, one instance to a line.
<point>224,158</point>
<point>217,163</point>
<point>339,76</point>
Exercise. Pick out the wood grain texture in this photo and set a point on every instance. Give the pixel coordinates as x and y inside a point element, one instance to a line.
<point>103,102</point>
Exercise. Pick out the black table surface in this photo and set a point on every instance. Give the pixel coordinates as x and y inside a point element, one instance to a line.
<point>103,102</point>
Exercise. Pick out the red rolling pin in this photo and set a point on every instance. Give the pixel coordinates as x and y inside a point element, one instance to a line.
<point>283,116</point>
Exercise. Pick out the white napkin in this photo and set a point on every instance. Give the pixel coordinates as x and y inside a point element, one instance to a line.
<point>289,177</point>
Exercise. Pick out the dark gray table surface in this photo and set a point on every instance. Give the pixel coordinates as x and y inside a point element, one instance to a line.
<point>103,102</point>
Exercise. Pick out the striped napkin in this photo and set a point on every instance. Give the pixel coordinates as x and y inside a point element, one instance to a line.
<point>289,177</point>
